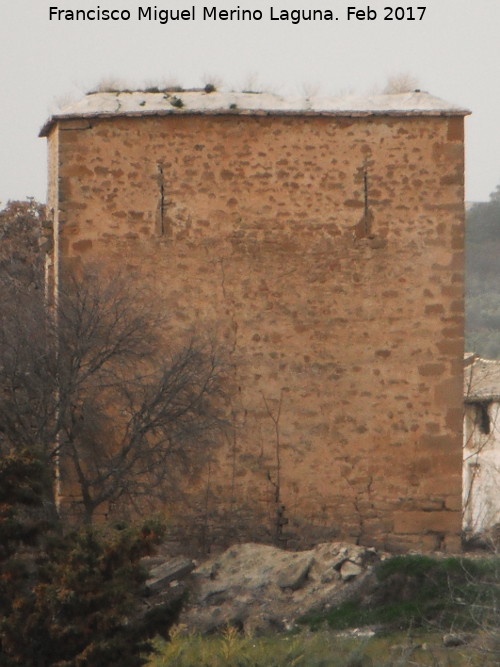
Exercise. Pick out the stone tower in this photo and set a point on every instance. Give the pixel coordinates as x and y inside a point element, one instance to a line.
<point>322,240</point>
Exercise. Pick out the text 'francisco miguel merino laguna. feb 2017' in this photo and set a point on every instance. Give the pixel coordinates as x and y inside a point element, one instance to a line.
<point>213,13</point>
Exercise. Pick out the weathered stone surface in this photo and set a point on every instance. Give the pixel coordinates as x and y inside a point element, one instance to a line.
<point>253,227</point>
<point>165,573</point>
<point>261,588</point>
<point>295,574</point>
<point>349,570</point>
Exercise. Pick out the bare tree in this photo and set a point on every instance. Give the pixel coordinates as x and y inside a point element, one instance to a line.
<point>92,390</point>
<point>21,229</point>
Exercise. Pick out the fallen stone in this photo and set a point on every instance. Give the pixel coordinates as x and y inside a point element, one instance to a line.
<point>261,588</point>
<point>295,574</point>
<point>350,570</point>
<point>214,594</point>
<point>162,575</point>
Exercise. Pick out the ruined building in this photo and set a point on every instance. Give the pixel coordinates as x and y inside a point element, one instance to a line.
<point>481,474</point>
<point>322,239</point>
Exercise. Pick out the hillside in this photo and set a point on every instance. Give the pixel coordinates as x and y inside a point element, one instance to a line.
<point>482,287</point>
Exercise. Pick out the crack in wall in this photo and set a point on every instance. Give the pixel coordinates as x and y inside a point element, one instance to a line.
<point>161,200</point>
<point>229,301</point>
<point>356,501</point>
<point>367,219</point>
<point>363,229</point>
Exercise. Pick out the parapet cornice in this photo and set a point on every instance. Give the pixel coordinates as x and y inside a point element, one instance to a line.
<point>134,104</point>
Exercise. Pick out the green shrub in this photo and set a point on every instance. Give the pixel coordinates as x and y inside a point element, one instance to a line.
<point>70,600</point>
<point>414,590</point>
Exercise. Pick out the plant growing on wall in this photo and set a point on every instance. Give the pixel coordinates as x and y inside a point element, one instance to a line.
<point>275,477</point>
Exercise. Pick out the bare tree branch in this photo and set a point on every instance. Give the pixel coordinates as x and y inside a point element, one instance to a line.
<point>123,419</point>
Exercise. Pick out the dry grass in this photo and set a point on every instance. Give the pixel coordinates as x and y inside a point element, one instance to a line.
<point>319,649</point>
<point>401,83</point>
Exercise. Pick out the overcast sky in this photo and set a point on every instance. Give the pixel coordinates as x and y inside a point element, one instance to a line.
<point>453,52</point>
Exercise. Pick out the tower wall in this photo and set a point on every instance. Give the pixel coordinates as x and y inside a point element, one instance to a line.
<point>325,254</point>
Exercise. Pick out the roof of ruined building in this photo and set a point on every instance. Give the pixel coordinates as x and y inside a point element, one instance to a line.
<point>143,103</point>
<point>481,379</point>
